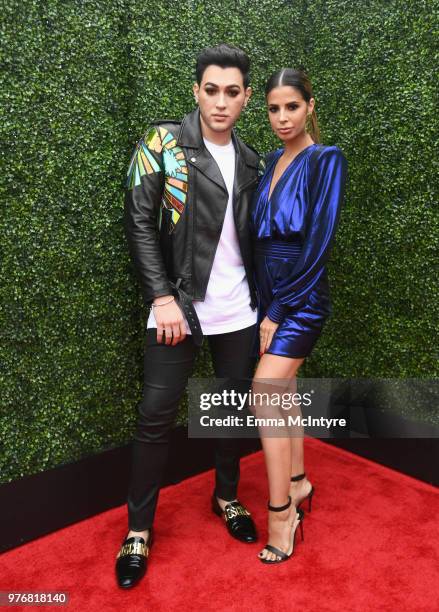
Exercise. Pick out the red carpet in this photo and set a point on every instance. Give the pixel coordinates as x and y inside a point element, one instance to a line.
<point>371,543</point>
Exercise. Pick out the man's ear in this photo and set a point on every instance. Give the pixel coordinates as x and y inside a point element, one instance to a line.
<point>196,90</point>
<point>248,93</point>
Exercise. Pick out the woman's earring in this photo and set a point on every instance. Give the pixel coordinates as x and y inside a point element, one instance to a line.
<point>308,122</point>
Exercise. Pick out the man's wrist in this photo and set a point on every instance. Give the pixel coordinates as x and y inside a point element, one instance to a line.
<point>163,299</point>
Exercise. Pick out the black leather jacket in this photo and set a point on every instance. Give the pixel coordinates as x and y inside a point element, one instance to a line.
<point>175,206</point>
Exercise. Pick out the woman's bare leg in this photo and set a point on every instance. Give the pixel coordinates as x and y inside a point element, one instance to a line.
<point>298,489</point>
<point>278,453</point>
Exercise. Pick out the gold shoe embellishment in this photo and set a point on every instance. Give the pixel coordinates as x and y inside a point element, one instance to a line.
<point>133,548</point>
<point>233,511</point>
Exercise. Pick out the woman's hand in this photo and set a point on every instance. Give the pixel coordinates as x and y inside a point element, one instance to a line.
<point>266,332</point>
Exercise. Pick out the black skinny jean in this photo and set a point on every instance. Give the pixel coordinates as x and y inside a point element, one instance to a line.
<point>166,373</point>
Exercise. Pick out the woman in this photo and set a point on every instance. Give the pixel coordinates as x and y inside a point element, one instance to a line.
<point>294,217</point>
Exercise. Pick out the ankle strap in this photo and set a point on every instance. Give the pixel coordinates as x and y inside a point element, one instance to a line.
<point>280,508</point>
<point>298,477</point>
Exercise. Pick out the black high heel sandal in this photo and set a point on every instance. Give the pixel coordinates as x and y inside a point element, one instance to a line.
<point>310,494</point>
<point>280,553</point>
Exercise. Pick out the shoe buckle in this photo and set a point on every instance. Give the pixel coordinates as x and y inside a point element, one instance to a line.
<point>133,548</point>
<point>231,512</point>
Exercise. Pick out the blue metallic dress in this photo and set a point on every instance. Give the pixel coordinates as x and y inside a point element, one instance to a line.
<point>293,231</point>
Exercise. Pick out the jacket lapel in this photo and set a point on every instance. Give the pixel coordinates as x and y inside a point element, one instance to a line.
<point>245,169</point>
<point>206,164</point>
<point>190,136</point>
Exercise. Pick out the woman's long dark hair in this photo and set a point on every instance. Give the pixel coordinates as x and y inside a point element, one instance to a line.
<point>299,80</point>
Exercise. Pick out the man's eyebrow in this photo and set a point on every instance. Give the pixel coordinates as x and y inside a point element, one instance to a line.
<point>215,85</point>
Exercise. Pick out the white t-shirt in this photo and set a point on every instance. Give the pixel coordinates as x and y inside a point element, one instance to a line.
<point>226,306</point>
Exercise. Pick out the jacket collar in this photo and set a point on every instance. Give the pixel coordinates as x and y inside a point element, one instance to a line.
<point>190,131</point>
<point>190,136</point>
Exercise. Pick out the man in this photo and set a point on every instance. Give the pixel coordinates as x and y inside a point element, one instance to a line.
<point>188,195</point>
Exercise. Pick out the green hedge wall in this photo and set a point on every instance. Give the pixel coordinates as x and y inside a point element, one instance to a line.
<point>81,82</point>
<point>373,71</point>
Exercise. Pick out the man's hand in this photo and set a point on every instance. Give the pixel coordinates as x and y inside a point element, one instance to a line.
<point>169,319</point>
<point>266,332</point>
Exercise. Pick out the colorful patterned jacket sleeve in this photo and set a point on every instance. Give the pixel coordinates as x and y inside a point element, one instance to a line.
<point>143,202</point>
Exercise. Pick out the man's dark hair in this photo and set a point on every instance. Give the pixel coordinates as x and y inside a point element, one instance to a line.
<point>226,56</point>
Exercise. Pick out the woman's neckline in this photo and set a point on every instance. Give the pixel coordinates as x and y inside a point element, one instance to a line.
<point>286,169</point>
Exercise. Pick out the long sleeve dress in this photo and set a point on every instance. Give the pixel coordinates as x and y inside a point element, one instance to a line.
<point>293,231</point>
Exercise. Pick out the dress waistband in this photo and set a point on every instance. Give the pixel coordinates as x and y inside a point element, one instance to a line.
<point>280,248</point>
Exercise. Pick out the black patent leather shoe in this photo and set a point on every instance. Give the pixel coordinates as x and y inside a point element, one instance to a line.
<point>131,560</point>
<point>238,520</point>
